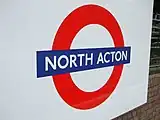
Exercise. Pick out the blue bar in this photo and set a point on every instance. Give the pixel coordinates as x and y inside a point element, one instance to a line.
<point>111,61</point>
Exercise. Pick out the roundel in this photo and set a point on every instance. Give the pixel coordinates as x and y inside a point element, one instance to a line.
<point>72,24</point>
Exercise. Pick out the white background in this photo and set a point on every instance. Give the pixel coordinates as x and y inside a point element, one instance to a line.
<point>27,26</point>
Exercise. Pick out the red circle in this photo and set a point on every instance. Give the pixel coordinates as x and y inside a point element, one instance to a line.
<point>73,23</point>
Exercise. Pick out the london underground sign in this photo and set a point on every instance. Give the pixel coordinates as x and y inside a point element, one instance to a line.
<point>61,60</point>
<point>74,59</point>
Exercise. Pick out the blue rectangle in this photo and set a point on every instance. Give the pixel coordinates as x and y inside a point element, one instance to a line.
<point>54,62</point>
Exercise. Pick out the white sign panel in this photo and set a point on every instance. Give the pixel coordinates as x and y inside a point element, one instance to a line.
<point>73,60</point>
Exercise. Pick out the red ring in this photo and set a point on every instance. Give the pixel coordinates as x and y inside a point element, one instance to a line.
<point>73,23</point>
